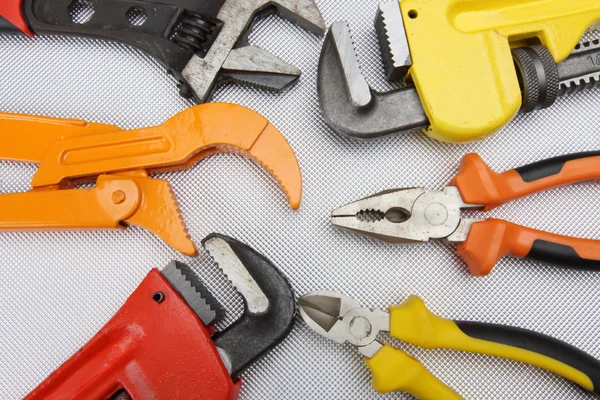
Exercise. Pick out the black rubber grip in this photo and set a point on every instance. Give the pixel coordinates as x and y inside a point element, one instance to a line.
<point>560,255</point>
<point>551,166</point>
<point>537,343</point>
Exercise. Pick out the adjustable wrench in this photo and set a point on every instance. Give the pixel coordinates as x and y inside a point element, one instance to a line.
<point>203,43</point>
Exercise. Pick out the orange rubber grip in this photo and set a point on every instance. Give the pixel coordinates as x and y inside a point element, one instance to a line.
<point>490,240</point>
<point>478,184</point>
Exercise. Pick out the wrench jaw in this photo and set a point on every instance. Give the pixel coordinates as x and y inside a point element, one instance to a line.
<point>231,58</point>
<point>351,107</point>
<point>269,303</point>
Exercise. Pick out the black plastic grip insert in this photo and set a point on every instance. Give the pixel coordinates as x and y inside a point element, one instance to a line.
<point>551,166</point>
<point>538,343</point>
<point>560,255</point>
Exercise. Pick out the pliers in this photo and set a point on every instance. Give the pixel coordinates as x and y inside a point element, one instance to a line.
<point>417,215</point>
<point>71,152</point>
<point>342,319</point>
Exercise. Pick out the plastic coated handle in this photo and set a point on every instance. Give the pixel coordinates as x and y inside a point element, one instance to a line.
<point>478,184</point>
<point>412,322</point>
<point>490,240</point>
<point>394,370</point>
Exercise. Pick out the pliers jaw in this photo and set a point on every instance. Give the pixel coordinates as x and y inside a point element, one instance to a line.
<point>404,215</point>
<point>340,318</point>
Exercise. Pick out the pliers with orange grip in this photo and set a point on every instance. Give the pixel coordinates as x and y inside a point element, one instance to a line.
<point>71,152</point>
<point>417,215</point>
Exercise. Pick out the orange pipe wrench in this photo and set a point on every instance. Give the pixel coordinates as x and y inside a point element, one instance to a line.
<point>71,152</point>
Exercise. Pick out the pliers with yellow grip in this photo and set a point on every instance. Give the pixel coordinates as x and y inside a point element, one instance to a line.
<point>342,319</point>
<point>71,152</point>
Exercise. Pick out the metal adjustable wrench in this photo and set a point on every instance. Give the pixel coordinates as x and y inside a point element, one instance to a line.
<point>469,67</point>
<point>71,152</point>
<point>203,43</point>
<point>162,344</point>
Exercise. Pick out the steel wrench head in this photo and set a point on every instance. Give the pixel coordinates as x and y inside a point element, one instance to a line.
<point>231,59</point>
<point>269,303</point>
<point>351,107</point>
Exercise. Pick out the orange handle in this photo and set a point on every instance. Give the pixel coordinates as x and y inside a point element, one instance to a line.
<point>490,240</point>
<point>478,184</point>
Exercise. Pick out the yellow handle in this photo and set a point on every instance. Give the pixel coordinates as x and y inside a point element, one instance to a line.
<point>412,322</point>
<point>394,370</point>
<point>462,63</point>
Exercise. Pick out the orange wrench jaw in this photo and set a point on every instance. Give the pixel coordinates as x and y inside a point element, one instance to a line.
<point>159,213</point>
<point>274,153</point>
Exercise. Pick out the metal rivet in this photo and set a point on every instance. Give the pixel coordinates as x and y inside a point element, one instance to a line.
<point>118,196</point>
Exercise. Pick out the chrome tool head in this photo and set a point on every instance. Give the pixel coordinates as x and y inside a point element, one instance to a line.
<point>269,303</point>
<point>349,105</point>
<point>404,215</point>
<point>342,319</point>
<point>230,58</point>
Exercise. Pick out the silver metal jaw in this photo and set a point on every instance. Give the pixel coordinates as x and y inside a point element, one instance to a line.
<point>342,319</point>
<point>404,215</point>
<point>231,59</point>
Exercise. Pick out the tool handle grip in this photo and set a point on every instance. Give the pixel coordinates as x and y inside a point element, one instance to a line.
<point>478,184</point>
<point>490,240</point>
<point>412,322</point>
<point>12,19</point>
<point>394,370</point>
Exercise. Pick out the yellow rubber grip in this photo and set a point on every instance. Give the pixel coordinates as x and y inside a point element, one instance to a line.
<point>462,63</point>
<point>394,370</point>
<point>413,323</point>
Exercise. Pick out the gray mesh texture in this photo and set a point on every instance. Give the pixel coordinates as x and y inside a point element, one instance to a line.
<point>58,289</point>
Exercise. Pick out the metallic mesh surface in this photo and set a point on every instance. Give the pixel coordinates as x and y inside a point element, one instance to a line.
<point>58,289</point>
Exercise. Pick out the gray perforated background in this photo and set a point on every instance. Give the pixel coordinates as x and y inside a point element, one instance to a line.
<point>58,289</point>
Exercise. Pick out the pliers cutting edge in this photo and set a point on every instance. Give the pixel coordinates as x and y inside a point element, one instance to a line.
<point>417,215</point>
<point>342,319</point>
<point>71,152</point>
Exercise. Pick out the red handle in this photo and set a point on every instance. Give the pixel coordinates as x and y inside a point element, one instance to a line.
<point>12,11</point>
<point>478,184</point>
<point>152,349</point>
<point>490,240</point>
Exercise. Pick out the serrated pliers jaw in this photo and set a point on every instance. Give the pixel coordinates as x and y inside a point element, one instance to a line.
<point>404,215</point>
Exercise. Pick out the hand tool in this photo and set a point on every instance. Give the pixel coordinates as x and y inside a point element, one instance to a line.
<point>342,319</point>
<point>417,215</point>
<point>71,152</point>
<point>202,43</point>
<point>162,343</point>
<point>469,67</point>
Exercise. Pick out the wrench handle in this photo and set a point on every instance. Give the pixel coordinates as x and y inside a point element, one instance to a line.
<point>478,184</point>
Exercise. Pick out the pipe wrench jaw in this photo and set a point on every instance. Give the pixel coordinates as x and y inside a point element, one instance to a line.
<point>269,303</point>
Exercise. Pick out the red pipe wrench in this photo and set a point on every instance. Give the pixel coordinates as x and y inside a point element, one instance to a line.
<point>162,344</point>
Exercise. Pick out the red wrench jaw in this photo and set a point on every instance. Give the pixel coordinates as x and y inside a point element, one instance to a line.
<point>154,347</point>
